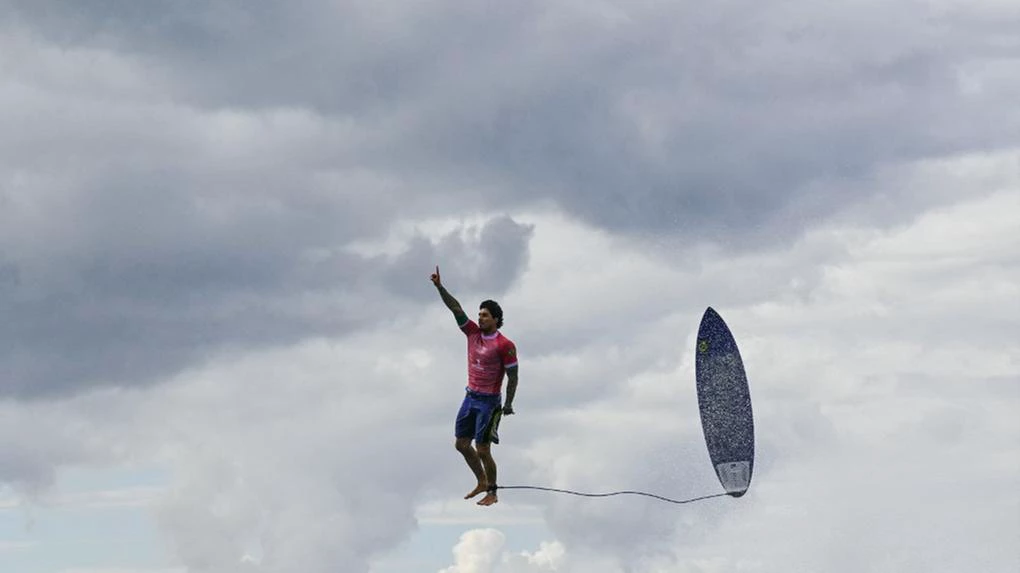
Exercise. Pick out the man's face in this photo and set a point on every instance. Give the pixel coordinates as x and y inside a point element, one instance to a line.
<point>485,320</point>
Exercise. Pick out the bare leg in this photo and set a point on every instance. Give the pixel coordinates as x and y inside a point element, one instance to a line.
<point>463,446</point>
<point>489,464</point>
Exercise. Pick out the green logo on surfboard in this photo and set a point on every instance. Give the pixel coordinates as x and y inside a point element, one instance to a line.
<point>702,346</point>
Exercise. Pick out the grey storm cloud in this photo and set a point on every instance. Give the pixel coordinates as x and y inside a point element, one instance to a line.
<point>726,123</point>
<point>131,315</point>
<point>198,192</point>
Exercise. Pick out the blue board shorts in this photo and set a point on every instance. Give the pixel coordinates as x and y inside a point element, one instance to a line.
<point>479,417</point>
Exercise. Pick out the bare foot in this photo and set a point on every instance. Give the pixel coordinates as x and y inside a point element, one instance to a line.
<point>481,487</point>
<point>489,499</point>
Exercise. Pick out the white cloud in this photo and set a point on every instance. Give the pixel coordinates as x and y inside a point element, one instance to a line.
<point>482,551</point>
<point>477,552</point>
<point>550,556</point>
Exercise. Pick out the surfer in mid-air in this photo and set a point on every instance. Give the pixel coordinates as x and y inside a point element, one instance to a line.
<point>490,356</point>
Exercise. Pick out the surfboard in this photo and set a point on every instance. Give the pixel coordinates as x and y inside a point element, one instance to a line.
<point>724,402</point>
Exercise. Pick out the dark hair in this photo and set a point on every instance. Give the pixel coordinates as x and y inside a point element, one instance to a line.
<point>494,309</point>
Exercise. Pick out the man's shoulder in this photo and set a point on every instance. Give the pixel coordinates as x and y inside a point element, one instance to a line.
<point>508,348</point>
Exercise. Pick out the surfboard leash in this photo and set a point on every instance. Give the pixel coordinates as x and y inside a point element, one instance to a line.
<point>627,492</point>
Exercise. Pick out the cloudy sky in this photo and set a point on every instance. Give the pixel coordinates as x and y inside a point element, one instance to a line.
<point>220,351</point>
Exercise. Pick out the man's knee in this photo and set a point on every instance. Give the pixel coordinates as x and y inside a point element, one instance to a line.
<point>463,445</point>
<point>483,449</point>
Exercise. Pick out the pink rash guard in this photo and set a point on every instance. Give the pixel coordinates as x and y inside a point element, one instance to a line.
<point>489,355</point>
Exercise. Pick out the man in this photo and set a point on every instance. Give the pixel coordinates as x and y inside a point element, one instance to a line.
<point>490,356</point>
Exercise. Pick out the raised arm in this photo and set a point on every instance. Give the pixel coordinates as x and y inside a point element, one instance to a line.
<point>451,303</point>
